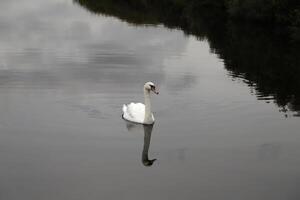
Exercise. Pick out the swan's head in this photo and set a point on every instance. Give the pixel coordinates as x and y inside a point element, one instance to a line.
<point>149,86</point>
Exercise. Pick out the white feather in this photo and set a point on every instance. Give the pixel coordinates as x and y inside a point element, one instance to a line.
<point>138,112</point>
<point>135,112</point>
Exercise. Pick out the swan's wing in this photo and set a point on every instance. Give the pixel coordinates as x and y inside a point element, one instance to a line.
<point>134,112</point>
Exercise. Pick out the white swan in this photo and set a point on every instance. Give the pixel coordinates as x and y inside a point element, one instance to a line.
<point>138,112</point>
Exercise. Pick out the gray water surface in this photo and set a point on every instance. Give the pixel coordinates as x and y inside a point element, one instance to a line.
<point>65,74</point>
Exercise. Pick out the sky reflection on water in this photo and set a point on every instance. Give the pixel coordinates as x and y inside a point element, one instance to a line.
<point>64,75</point>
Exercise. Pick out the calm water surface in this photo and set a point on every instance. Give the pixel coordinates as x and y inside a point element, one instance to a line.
<point>64,75</point>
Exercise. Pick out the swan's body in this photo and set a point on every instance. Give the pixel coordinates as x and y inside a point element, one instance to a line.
<point>135,112</point>
<point>138,112</point>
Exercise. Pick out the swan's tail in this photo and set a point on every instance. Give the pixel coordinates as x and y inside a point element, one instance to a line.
<point>124,108</point>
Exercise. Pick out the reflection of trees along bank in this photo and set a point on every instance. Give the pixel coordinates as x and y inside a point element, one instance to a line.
<point>281,12</point>
<point>263,57</point>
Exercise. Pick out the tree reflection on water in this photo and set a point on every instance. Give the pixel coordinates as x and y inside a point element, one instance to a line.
<point>265,58</point>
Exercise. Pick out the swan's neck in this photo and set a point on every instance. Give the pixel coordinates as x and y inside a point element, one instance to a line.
<point>148,114</point>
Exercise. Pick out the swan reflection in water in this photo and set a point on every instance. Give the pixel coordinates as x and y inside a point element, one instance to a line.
<point>147,137</point>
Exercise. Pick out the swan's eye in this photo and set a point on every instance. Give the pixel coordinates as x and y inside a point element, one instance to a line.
<point>152,87</point>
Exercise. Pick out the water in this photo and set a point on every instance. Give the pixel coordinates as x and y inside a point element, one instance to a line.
<point>221,133</point>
